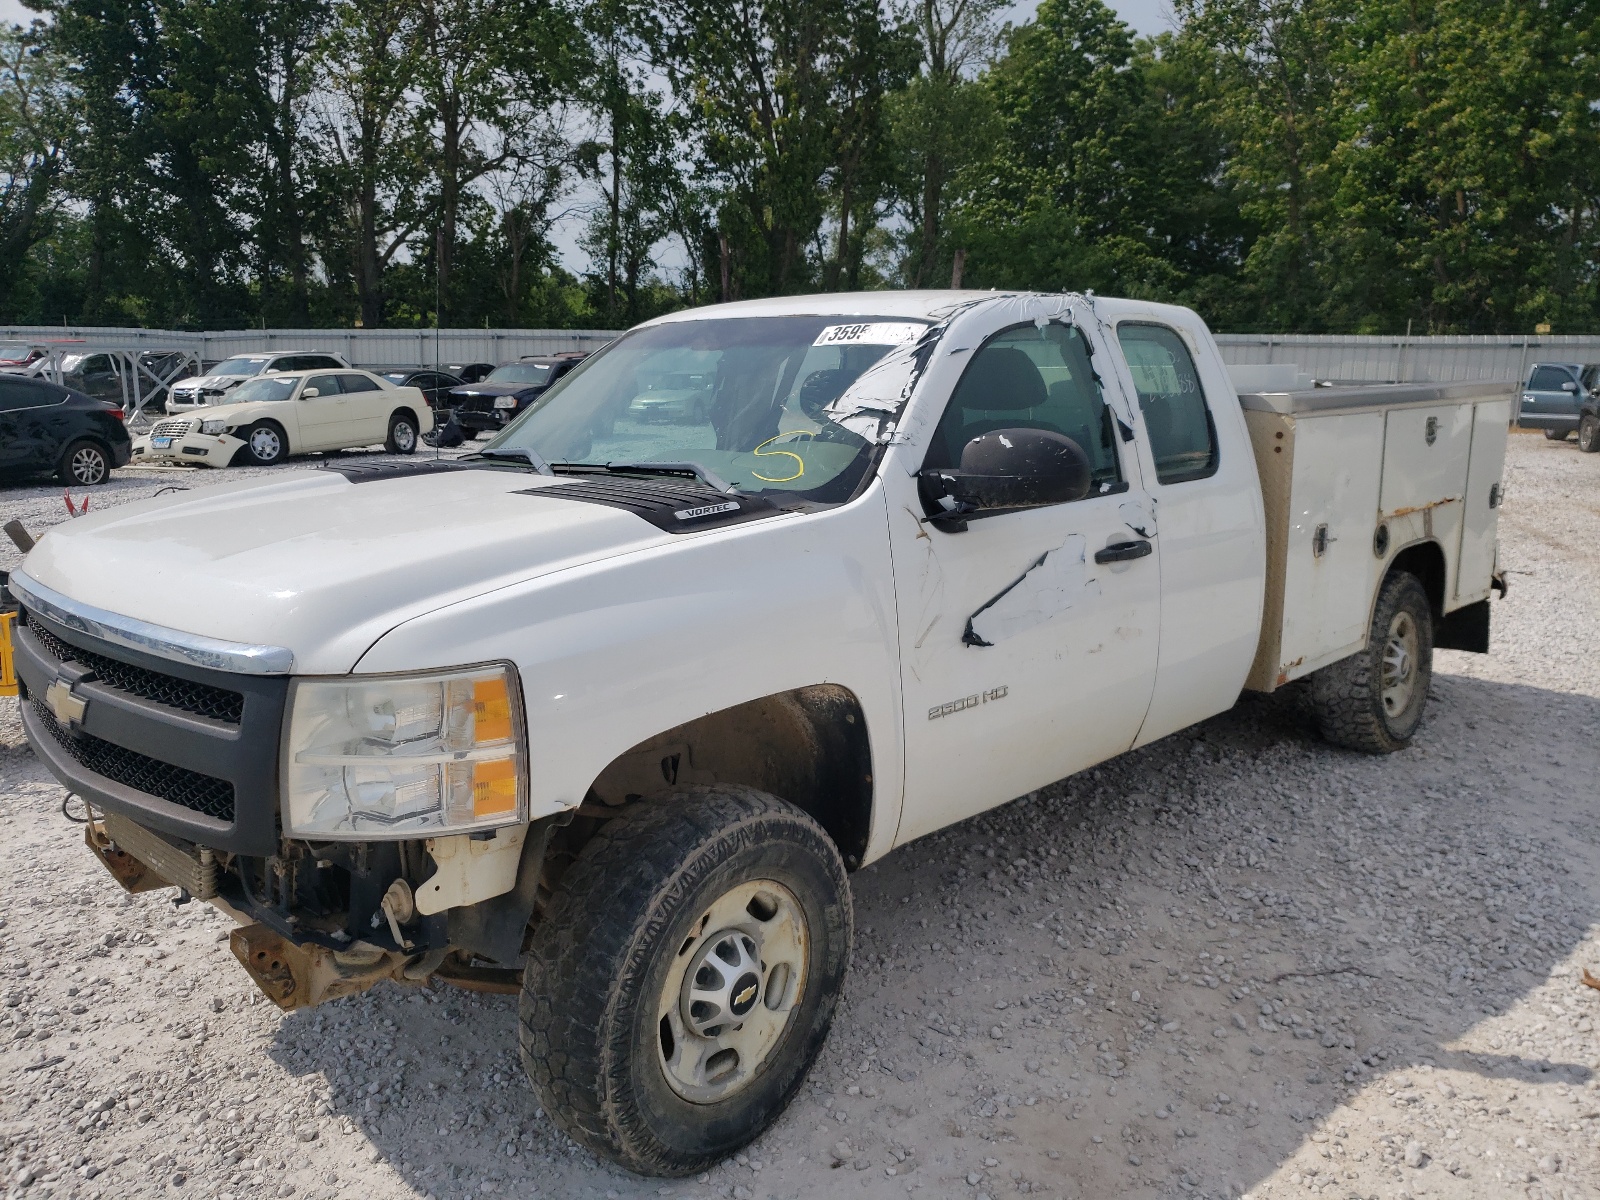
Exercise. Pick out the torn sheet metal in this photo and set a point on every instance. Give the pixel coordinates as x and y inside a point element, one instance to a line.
<point>1052,585</point>
<point>1139,516</point>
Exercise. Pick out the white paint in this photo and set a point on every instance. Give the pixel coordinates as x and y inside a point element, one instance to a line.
<point>471,870</point>
<point>1050,586</point>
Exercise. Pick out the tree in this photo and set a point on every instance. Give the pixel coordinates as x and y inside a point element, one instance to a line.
<point>39,121</point>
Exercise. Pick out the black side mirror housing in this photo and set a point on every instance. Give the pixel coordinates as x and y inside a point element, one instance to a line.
<point>1006,470</point>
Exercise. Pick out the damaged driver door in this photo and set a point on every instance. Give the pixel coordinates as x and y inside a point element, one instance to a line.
<point>1028,638</point>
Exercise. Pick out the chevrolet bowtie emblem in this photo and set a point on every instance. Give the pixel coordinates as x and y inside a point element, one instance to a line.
<point>68,708</point>
<point>744,996</point>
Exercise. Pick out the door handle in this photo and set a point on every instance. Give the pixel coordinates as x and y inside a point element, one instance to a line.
<point>1124,551</point>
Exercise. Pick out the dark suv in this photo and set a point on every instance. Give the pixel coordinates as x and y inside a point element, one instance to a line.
<point>49,429</point>
<point>508,390</point>
<point>1553,394</point>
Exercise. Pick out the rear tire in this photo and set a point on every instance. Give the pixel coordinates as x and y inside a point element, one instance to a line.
<point>402,434</point>
<point>1373,701</point>
<point>264,444</point>
<point>1556,435</point>
<point>1589,434</point>
<point>713,906</point>
<point>84,464</point>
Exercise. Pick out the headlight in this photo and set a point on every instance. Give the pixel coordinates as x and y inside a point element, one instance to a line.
<point>405,756</point>
<point>217,426</point>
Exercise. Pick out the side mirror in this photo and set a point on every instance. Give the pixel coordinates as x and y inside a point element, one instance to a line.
<point>308,393</point>
<point>1569,386</point>
<point>1004,471</point>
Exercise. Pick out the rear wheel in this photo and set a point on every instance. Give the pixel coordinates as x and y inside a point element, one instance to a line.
<point>402,437</point>
<point>684,976</point>
<point>1589,434</point>
<point>265,444</point>
<point>1373,700</point>
<point>84,464</point>
<point>1556,435</point>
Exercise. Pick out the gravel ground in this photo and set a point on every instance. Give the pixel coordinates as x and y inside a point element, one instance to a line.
<point>1235,962</point>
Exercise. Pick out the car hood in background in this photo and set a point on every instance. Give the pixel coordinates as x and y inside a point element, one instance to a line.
<point>497,389</point>
<point>210,381</point>
<point>321,565</point>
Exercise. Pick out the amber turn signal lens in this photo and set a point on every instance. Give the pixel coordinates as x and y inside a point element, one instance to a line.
<point>492,711</point>
<point>494,787</point>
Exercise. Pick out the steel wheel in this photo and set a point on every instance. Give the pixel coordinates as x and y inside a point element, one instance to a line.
<point>87,465</point>
<point>729,995</point>
<point>1399,663</point>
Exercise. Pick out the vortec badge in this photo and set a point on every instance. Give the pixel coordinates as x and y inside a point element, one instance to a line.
<point>706,510</point>
<point>68,708</point>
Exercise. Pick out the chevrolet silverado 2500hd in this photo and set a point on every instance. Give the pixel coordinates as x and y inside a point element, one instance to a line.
<point>608,711</point>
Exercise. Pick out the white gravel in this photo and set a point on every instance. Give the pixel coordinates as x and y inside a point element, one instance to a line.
<point>1235,962</point>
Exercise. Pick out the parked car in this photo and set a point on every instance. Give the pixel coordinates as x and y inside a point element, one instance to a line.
<point>273,416</point>
<point>677,397</point>
<point>17,355</point>
<point>469,372</point>
<point>1589,424</point>
<point>509,389</point>
<point>108,377</point>
<point>435,385</point>
<point>1553,394</point>
<point>49,429</point>
<point>609,719</point>
<point>211,387</point>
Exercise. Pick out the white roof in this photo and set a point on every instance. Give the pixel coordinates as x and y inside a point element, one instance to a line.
<point>926,305</point>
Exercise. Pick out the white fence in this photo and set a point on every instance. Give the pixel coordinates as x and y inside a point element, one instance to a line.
<point>364,347</point>
<point>1353,358</point>
<point>1409,360</point>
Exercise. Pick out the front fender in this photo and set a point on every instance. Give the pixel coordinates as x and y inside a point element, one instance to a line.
<point>613,652</point>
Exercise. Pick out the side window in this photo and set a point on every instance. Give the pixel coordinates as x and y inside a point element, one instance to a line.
<point>1183,438</point>
<point>319,362</point>
<point>326,385</point>
<point>1030,378</point>
<point>17,394</point>
<point>1548,379</point>
<point>359,383</point>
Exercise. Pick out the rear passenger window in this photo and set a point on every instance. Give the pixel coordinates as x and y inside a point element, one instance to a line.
<point>1548,379</point>
<point>17,394</point>
<point>1183,438</point>
<point>358,383</point>
<point>1030,378</point>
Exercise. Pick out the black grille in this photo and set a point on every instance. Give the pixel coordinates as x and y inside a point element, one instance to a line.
<point>675,507</point>
<point>176,785</point>
<point>199,698</point>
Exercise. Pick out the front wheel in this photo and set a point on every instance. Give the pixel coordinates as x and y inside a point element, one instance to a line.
<point>84,465</point>
<point>402,437</point>
<point>1556,435</point>
<point>1373,700</point>
<point>1589,434</point>
<point>683,977</point>
<point>264,444</point>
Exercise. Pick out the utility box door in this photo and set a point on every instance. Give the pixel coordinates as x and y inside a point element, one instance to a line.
<point>1425,458</point>
<point>1480,522</point>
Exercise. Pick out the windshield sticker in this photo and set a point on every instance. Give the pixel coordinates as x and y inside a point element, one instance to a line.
<point>876,333</point>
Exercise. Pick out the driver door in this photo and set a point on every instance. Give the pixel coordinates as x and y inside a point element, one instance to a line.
<point>1028,650</point>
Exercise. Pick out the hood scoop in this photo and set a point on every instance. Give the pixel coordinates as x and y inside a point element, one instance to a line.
<point>671,507</point>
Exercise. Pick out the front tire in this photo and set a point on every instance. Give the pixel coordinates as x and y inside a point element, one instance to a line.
<point>84,464</point>
<point>1589,434</point>
<point>684,976</point>
<point>1373,700</point>
<point>265,444</point>
<point>402,437</point>
<point>1556,435</point>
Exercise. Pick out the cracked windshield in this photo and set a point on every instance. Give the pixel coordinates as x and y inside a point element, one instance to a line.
<point>743,399</point>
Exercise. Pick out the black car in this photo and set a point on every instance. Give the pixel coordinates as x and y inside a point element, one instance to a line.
<point>435,385</point>
<point>468,372</point>
<point>508,390</point>
<point>49,429</point>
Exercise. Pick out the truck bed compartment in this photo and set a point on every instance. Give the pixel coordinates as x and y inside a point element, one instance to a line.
<point>1353,476</point>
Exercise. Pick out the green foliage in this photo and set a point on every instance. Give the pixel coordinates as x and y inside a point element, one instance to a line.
<point>1319,165</point>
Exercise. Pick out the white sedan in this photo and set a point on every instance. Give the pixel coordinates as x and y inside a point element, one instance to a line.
<point>276,415</point>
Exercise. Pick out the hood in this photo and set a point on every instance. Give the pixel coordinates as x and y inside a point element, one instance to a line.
<point>247,410</point>
<point>210,381</point>
<point>322,565</point>
<point>499,389</point>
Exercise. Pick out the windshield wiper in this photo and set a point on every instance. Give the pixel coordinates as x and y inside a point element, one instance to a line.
<point>704,474</point>
<point>515,453</point>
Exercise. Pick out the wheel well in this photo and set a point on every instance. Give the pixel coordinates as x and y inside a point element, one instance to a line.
<point>405,411</point>
<point>808,746</point>
<point>1425,560</point>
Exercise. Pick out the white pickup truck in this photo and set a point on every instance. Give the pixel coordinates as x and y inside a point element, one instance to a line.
<point>608,711</point>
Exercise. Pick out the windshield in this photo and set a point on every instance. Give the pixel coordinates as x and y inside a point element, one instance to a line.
<point>519,373</point>
<point>273,387</point>
<point>743,397</point>
<point>239,366</point>
<point>12,353</point>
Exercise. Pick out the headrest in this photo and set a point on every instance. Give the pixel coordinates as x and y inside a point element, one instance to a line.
<point>1001,379</point>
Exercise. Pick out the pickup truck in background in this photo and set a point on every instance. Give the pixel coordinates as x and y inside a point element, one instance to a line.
<point>607,712</point>
<point>1553,396</point>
